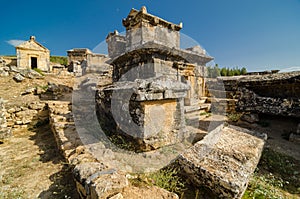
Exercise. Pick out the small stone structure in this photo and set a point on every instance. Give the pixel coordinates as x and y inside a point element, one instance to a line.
<point>32,54</point>
<point>78,55</point>
<point>83,60</point>
<point>156,78</point>
<point>27,115</point>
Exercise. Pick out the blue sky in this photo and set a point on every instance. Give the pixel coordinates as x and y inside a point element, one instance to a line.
<point>257,34</point>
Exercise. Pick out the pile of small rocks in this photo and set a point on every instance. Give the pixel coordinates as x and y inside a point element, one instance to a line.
<point>19,75</point>
<point>32,114</point>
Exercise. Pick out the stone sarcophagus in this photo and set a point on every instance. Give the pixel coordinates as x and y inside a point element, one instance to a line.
<point>148,112</point>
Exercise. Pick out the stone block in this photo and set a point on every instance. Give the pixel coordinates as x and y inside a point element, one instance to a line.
<point>117,196</point>
<point>225,165</point>
<point>18,78</point>
<point>107,183</point>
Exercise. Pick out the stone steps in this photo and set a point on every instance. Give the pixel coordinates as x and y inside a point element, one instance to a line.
<point>196,112</point>
<point>221,100</point>
<point>217,93</point>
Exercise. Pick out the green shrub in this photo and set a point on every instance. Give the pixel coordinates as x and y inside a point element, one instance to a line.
<point>168,179</point>
<point>59,60</point>
<point>234,117</point>
<point>39,71</point>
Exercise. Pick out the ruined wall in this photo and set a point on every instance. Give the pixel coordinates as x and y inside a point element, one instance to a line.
<point>10,61</point>
<point>94,178</point>
<point>77,55</point>
<point>4,130</point>
<point>32,114</point>
<point>275,94</point>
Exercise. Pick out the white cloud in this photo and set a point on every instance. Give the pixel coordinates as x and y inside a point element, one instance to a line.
<point>15,42</point>
<point>290,69</point>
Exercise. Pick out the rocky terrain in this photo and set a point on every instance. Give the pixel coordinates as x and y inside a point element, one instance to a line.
<point>36,164</point>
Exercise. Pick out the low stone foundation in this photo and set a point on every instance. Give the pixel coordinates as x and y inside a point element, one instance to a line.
<point>273,94</point>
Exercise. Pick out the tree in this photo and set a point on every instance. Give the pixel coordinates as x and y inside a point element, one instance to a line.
<point>243,71</point>
<point>230,72</point>
<point>215,71</point>
<point>223,71</point>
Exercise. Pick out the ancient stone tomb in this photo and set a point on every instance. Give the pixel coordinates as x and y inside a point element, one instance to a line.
<point>153,80</point>
<point>31,54</point>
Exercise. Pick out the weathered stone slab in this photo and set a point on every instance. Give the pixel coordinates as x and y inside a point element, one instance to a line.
<point>18,78</point>
<point>224,167</point>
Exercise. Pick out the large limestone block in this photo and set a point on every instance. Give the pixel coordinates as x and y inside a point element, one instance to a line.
<point>224,167</point>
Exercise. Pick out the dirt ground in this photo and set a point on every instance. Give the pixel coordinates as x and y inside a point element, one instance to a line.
<point>31,165</point>
<point>278,129</point>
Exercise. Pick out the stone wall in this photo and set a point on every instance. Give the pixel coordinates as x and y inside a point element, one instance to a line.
<point>33,114</point>
<point>10,61</point>
<point>4,129</point>
<point>94,178</point>
<point>275,94</point>
<point>24,59</point>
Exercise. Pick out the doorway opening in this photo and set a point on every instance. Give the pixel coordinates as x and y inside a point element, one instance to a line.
<point>33,62</point>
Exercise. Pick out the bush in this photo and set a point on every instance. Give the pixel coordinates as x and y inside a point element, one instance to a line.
<point>39,71</point>
<point>59,60</point>
<point>234,117</point>
<point>168,179</point>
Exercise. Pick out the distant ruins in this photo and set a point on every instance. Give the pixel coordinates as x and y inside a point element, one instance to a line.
<point>32,54</point>
<point>83,60</point>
